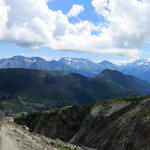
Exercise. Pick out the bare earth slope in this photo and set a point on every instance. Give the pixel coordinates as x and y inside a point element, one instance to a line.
<point>16,137</point>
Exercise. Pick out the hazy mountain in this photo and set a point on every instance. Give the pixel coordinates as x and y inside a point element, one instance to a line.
<point>85,66</point>
<point>108,65</point>
<point>35,63</point>
<point>119,124</point>
<point>139,68</point>
<point>26,89</point>
<point>88,67</point>
<point>76,65</point>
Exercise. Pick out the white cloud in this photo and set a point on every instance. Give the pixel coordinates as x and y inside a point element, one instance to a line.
<point>128,26</point>
<point>75,10</point>
<point>125,61</point>
<point>30,23</point>
<point>100,6</point>
<point>3,17</point>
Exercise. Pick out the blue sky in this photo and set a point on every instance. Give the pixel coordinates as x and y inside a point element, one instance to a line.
<point>65,5</point>
<point>93,14</point>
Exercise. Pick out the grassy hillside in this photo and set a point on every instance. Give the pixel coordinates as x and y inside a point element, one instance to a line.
<point>25,90</point>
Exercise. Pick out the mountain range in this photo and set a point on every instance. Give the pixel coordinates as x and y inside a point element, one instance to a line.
<point>139,68</point>
<point>28,90</point>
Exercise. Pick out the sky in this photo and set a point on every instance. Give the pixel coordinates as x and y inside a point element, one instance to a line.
<point>114,30</point>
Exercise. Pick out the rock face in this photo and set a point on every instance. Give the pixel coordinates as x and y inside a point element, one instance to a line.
<point>121,124</point>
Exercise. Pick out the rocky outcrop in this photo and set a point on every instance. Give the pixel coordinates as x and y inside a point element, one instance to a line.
<point>121,124</point>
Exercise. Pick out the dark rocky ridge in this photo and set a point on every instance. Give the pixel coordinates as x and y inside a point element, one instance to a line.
<point>121,124</point>
<point>64,123</point>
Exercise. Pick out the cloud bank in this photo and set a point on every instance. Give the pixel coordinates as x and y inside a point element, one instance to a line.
<point>30,23</point>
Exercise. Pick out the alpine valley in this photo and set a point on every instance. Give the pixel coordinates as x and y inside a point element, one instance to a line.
<point>25,90</point>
